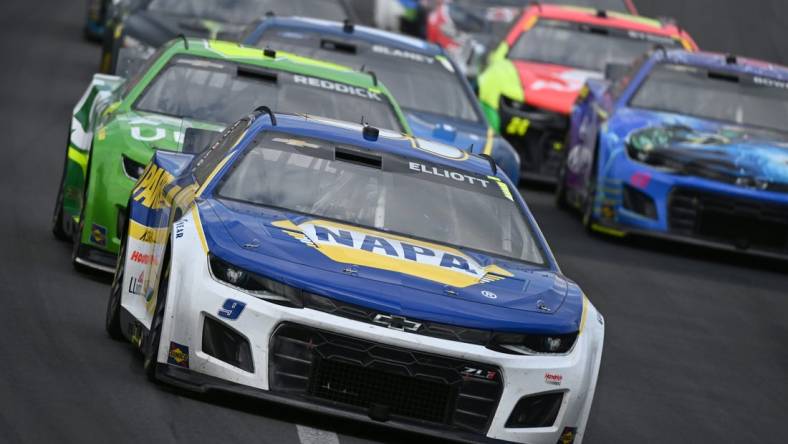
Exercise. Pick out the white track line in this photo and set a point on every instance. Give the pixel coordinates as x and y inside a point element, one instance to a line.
<point>308,435</point>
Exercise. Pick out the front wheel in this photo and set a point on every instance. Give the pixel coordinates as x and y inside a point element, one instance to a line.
<point>112,319</point>
<point>152,344</point>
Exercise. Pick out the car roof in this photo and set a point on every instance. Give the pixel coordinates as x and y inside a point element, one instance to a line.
<point>388,142</point>
<point>611,19</point>
<point>713,60</point>
<point>360,33</point>
<point>282,61</point>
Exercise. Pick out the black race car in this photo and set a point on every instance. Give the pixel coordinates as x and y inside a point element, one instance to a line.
<point>144,25</point>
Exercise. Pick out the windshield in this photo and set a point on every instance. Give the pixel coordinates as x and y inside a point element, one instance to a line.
<point>431,85</point>
<point>393,194</point>
<point>735,98</point>
<point>581,46</point>
<point>223,92</point>
<point>245,11</point>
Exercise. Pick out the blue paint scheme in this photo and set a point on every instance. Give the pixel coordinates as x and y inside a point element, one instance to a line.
<point>244,235</point>
<point>602,126</point>
<point>460,133</point>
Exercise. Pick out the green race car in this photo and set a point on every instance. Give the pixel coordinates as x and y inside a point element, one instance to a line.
<point>180,100</point>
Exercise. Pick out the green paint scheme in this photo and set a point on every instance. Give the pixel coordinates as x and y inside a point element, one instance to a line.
<point>105,128</point>
<point>499,79</point>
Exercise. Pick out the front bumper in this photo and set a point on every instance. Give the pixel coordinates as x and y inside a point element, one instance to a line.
<point>538,136</point>
<point>195,297</point>
<point>693,210</point>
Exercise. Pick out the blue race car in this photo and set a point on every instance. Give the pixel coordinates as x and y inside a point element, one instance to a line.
<point>688,146</point>
<point>436,98</point>
<point>359,272</point>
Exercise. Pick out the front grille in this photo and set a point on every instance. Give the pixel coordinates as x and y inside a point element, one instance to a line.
<point>426,328</point>
<point>363,387</point>
<point>372,378</point>
<point>743,223</point>
<point>540,143</point>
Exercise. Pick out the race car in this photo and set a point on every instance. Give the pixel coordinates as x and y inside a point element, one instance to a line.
<point>355,271</point>
<point>684,146</point>
<point>437,100</point>
<point>470,29</point>
<point>536,73</point>
<point>180,101</point>
<point>145,25</point>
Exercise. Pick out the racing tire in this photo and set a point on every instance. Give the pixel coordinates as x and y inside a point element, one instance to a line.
<point>587,215</point>
<point>152,342</point>
<point>58,228</point>
<point>560,189</point>
<point>112,319</point>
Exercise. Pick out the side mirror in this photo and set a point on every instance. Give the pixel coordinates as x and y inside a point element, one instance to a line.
<point>615,71</point>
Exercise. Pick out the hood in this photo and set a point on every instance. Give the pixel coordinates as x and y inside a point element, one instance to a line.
<point>389,272</point>
<point>461,134</point>
<point>157,28</point>
<point>552,87</point>
<point>154,131</point>
<point>745,157</point>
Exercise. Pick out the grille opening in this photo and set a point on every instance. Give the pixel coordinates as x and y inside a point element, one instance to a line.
<point>639,202</point>
<point>369,388</point>
<point>535,411</point>
<point>226,345</point>
<point>744,231</point>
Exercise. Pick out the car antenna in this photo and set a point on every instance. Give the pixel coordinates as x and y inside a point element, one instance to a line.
<point>185,40</point>
<point>264,109</point>
<point>493,166</point>
<point>374,77</point>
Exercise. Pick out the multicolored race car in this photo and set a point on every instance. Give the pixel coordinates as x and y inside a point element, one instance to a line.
<point>179,101</point>
<point>145,25</point>
<point>684,146</point>
<point>336,267</point>
<point>537,72</point>
<point>469,29</point>
<point>436,98</point>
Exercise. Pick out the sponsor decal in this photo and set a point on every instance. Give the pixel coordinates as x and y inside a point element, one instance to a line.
<point>479,373</point>
<point>772,83</point>
<point>137,284</point>
<point>518,126</point>
<point>231,309</point>
<point>553,378</point>
<point>142,258</point>
<point>338,87</point>
<point>489,294</point>
<point>394,52</point>
<point>296,143</point>
<point>98,235</point>
<point>568,435</point>
<point>453,175</point>
<point>567,81</point>
<point>362,247</point>
<point>178,355</point>
<point>179,229</point>
<point>150,190</point>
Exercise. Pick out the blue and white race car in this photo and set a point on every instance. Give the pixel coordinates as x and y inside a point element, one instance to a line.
<point>436,98</point>
<point>358,272</point>
<point>688,146</point>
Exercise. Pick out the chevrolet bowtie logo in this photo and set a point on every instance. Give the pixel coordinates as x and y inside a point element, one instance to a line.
<point>397,323</point>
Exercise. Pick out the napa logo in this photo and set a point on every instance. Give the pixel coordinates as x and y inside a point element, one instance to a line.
<point>368,248</point>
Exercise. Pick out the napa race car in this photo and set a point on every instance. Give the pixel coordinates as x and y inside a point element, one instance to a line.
<point>684,146</point>
<point>333,267</point>
<point>145,25</point>
<point>470,29</point>
<point>436,99</point>
<point>537,72</point>
<point>179,101</point>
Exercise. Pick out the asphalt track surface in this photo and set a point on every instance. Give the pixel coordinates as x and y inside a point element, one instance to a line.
<point>696,340</point>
